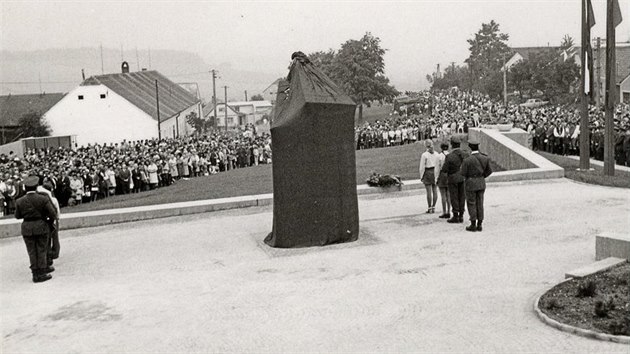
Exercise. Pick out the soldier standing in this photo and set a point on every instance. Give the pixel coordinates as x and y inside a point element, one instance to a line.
<point>36,210</point>
<point>475,169</point>
<point>452,164</point>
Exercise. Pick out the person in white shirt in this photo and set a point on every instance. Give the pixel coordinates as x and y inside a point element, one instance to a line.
<point>428,162</point>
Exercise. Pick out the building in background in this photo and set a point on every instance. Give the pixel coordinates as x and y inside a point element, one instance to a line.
<point>254,111</point>
<point>115,107</point>
<point>13,107</point>
<point>234,118</point>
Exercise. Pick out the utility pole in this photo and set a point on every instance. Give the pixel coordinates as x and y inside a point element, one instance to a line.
<point>453,68</point>
<point>214,97</point>
<point>504,82</point>
<point>102,66</point>
<point>598,73</point>
<point>39,74</point>
<point>226,108</point>
<point>157,104</point>
<point>245,95</point>
<point>149,58</point>
<point>137,59</point>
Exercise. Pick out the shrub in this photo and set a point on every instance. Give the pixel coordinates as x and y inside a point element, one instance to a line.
<point>586,289</point>
<point>620,326</point>
<point>603,307</point>
<point>552,304</point>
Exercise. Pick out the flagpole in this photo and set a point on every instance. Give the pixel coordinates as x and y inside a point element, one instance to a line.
<point>611,90</point>
<point>584,129</point>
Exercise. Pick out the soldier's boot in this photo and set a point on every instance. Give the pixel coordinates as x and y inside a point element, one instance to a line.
<point>454,219</point>
<point>460,217</point>
<point>49,269</point>
<point>472,227</point>
<point>39,276</point>
<point>479,225</point>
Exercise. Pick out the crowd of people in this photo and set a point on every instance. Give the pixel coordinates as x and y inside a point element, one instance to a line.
<point>97,171</point>
<point>551,128</point>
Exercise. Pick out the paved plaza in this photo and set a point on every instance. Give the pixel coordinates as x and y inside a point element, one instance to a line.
<point>412,283</point>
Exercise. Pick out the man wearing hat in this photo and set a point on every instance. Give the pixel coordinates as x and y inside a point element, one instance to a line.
<point>35,209</point>
<point>452,164</point>
<point>475,169</point>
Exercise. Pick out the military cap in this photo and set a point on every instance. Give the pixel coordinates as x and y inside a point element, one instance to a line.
<point>455,139</point>
<point>31,182</point>
<point>473,142</point>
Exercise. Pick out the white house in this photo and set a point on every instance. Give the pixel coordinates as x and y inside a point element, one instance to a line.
<point>115,107</point>
<point>234,118</point>
<point>254,111</point>
<point>270,93</point>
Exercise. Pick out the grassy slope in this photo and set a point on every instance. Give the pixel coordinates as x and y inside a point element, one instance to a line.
<point>400,160</point>
<point>596,176</point>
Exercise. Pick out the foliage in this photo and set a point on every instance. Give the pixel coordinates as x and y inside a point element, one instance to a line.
<point>552,304</point>
<point>33,124</point>
<point>488,52</point>
<point>603,307</point>
<point>586,289</point>
<point>359,68</point>
<point>567,42</point>
<point>454,76</point>
<point>546,72</point>
<point>198,123</point>
<point>257,97</point>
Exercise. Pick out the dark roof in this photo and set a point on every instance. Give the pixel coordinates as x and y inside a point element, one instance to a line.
<point>525,52</point>
<point>12,107</point>
<point>139,89</point>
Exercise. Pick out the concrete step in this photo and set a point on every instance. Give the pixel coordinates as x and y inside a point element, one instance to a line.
<point>595,268</point>
<point>612,245</point>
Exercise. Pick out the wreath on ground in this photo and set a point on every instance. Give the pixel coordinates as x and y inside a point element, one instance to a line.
<point>379,180</point>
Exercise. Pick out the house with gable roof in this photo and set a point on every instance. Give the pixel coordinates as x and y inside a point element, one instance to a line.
<point>126,106</point>
<point>13,107</point>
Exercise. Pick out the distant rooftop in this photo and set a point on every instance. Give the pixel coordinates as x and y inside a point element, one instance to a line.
<point>139,89</point>
<point>12,107</point>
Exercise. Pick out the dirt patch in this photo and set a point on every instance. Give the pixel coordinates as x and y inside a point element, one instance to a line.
<point>85,311</point>
<point>599,302</point>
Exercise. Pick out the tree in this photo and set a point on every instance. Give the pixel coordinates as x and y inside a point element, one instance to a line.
<point>488,51</point>
<point>33,124</point>
<point>359,69</point>
<point>257,97</point>
<point>567,42</point>
<point>196,122</point>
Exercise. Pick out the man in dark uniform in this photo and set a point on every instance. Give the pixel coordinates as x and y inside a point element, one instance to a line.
<point>475,169</point>
<point>35,209</point>
<point>452,165</point>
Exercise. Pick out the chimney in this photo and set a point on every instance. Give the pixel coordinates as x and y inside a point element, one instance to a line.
<point>83,74</point>
<point>144,69</point>
<point>125,67</point>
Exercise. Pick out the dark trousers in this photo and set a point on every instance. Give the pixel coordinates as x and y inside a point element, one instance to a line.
<point>458,197</point>
<point>36,248</point>
<point>52,245</point>
<point>474,201</point>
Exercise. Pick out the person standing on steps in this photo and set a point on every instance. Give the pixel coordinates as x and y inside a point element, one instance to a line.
<point>475,169</point>
<point>452,164</point>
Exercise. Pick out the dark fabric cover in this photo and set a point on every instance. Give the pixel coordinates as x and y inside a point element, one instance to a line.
<point>314,168</point>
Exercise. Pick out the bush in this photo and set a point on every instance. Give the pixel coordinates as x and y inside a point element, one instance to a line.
<point>587,289</point>
<point>620,327</point>
<point>552,304</point>
<point>603,307</point>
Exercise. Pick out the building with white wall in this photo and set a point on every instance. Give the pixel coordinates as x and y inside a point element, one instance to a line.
<point>254,111</point>
<point>234,118</point>
<point>115,107</point>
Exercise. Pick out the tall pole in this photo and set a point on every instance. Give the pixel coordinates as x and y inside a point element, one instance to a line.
<point>598,73</point>
<point>585,163</point>
<point>611,91</point>
<point>245,95</point>
<point>137,59</point>
<point>102,66</point>
<point>226,108</point>
<point>214,98</point>
<point>157,105</point>
<point>504,82</point>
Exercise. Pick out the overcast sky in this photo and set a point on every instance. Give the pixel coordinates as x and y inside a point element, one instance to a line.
<point>261,36</point>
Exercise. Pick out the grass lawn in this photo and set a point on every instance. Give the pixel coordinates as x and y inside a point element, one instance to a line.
<point>400,160</point>
<point>596,176</point>
<point>372,114</point>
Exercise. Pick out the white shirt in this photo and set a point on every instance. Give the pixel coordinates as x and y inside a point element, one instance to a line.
<point>428,160</point>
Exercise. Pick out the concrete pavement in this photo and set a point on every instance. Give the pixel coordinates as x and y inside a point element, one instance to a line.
<point>412,283</point>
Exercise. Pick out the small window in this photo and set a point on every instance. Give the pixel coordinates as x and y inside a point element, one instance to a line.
<point>102,95</point>
<point>80,97</point>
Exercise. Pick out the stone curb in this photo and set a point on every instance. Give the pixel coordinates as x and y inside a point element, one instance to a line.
<point>575,330</point>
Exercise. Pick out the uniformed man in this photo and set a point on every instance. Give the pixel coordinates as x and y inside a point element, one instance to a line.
<point>452,164</point>
<point>36,210</point>
<point>475,169</point>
